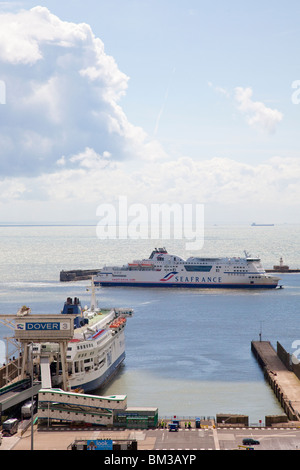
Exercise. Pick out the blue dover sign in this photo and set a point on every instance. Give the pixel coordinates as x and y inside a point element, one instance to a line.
<point>35,326</point>
<point>44,327</point>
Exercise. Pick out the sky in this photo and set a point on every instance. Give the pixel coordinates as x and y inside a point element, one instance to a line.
<point>158,101</point>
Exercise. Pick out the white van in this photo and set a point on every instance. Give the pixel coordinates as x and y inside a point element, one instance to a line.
<point>26,409</point>
<point>10,427</point>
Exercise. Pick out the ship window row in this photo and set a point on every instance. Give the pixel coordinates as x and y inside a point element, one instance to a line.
<point>55,395</point>
<point>236,273</point>
<point>79,414</point>
<point>204,263</point>
<point>84,346</point>
<point>240,268</point>
<point>81,355</point>
<point>254,277</point>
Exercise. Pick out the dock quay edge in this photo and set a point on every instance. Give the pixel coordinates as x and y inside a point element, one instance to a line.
<point>281,378</point>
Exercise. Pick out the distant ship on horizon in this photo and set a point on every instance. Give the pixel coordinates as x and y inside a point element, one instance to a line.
<point>261,225</point>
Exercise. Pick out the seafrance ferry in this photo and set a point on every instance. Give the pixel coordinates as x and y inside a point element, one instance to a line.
<point>95,353</point>
<point>162,269</point>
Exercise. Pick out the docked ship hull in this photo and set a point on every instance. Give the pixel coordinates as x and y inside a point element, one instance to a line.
<point>94,354</point>
<point>102,380</point>
<point>95,359</point>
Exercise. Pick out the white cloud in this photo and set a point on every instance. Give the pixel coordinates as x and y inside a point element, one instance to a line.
<point>62,96</point>
<point>257,113</point>
<point>12,189</point>
<point>91,160</point>
<point>23,34</point>
<point>66,144</point>
<point>95,179</point>
<point>219,89</point>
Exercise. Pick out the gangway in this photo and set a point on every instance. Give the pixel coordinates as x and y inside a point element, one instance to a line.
<point>70,407</point>
<point>32,329</point>
<point>17,393</point>
<point>45,372</point>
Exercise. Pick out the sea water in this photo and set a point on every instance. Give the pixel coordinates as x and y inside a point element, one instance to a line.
<point>188,352</point>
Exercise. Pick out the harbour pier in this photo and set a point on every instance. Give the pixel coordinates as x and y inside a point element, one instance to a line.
<point>77,274</point>
<point>281,374</point>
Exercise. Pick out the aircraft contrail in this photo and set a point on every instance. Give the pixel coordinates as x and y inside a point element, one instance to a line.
<point>163,104</point>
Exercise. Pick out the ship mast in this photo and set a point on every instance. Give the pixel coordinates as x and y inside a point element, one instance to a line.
<point>93,296</point>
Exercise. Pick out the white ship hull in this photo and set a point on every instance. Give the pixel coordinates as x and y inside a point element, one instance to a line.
<point>95,353</point>
<point>90,375</point>
<point>164,270</point>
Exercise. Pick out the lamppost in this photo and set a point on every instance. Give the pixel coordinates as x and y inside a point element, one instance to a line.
<point>31,358</point>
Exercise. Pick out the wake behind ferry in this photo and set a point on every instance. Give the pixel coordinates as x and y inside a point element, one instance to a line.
<point>162,269</point>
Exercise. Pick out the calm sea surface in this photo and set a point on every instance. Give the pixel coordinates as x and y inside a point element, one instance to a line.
<point>187,351</point>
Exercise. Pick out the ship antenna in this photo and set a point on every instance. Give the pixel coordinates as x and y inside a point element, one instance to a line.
<point>93,296</point>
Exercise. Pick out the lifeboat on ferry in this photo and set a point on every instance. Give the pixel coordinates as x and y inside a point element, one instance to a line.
<point>117,323</point>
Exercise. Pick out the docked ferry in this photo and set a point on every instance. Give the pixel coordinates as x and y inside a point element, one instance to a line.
<point>162,269</point>
<point>96,351</point>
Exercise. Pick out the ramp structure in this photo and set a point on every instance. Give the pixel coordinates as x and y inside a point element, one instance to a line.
<point>45,372</point>
<point>56,405</point>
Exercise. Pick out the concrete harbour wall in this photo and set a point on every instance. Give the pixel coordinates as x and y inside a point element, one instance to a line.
<point>282,379</point>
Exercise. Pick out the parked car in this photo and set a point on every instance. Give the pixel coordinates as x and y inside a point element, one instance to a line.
<point>250,441</point>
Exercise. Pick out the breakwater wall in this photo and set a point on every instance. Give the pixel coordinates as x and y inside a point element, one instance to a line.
<point>281,376</point>
<point>282,271</point>
<point>77,274</point>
